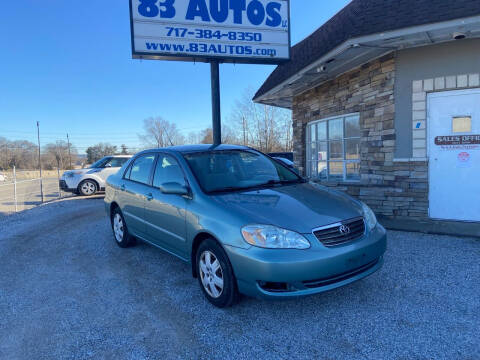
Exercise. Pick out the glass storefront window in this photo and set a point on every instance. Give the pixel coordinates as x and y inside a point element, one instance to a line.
<point>333,151</point>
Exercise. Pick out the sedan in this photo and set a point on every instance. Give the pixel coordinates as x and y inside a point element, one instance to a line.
<point>246,223</point>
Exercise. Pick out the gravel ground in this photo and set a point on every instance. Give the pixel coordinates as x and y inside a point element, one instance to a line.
<point>68,292</point>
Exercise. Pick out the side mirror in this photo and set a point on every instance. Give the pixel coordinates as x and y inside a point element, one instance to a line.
<point>173,188</point>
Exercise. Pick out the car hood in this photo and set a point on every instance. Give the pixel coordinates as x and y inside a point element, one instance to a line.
<point>81,171</point>
<point>298,207</point>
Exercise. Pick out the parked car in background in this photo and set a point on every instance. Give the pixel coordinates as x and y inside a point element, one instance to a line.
<point>246,223</point>
<point>3,177</point>
<point>287,163</point>
<point>90,180</point>
<point>284,155</point>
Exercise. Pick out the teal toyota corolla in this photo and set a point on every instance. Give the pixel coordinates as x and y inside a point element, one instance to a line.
<point>246,223</point>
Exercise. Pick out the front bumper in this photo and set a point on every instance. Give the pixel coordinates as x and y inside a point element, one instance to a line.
<point>64,187</point>
<point>274,273</point>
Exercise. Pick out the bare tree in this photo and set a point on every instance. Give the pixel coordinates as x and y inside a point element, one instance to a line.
<point>264,127</point>
<point>160,133</point>
<point>57,155</point>
<point>193,138</point>
<point>228,136</point>
<point>19,153</point>
<point>206,136</point>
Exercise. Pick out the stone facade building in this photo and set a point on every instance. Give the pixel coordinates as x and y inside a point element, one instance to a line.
<point>370,103</point>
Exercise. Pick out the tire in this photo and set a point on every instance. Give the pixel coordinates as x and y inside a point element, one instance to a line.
<point>87,188</point>
<point>120,232</point>
<point>215,274</point>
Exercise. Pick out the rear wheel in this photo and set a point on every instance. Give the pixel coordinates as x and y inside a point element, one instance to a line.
<point>87,188</point>
<point>215,274</point>
<point>120,231</point>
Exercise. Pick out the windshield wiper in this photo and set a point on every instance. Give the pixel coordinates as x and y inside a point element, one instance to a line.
<point>282,182</point>
<point>229,189</point>
<point>257,186</point>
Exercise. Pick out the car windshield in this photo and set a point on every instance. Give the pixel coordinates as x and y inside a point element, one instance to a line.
<point>99,163</point>
<point>116,162</point>
<point>232,170</point>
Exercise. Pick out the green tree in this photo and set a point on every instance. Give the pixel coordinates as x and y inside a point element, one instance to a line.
<point>98,151</point>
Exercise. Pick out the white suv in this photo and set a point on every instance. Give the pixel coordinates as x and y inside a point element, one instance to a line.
<point>92,179</point>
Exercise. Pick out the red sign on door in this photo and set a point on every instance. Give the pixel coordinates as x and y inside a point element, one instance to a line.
<point>463,157</point>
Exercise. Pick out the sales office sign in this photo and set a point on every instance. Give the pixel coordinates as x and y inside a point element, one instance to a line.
<point>242,31</point>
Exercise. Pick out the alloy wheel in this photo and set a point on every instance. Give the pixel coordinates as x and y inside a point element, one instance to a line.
<point>88,188</point>
<point>118,227</point>
<point>211,274</point>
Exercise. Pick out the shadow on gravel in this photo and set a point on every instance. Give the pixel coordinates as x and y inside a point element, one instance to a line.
<point>11,203</point>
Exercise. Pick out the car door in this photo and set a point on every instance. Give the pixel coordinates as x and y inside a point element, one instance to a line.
<point>134,187</point>
<point>165,213</point>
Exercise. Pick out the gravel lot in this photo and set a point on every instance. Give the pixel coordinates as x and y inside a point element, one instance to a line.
<point>68,292</point>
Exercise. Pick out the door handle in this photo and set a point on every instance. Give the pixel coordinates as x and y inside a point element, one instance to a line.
<point>122,187</point>
<point>149,197</point>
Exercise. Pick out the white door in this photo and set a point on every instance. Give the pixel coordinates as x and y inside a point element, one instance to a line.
<point>454,154</point>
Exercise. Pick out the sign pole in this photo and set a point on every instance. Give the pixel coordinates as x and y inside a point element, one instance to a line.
<point>216,115</point>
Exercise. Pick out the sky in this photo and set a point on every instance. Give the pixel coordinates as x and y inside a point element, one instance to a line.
<point>68,65</point>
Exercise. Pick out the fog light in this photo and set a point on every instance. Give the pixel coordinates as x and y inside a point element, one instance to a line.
<point>274,286</point>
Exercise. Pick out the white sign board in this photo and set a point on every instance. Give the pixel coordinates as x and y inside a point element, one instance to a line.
<point>242,31</point>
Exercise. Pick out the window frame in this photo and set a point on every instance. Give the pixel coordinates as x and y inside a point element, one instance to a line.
<point>308,146</point>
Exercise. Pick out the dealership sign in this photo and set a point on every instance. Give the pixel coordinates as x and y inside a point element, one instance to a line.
<point>242,31</point>
<point>457,140</point>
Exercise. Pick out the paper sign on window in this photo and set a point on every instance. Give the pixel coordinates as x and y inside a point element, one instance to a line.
<point>462,124</point>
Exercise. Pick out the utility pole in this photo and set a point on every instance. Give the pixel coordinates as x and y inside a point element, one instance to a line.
<point>69,155</point>
<point>216,118</point>
<point>39,160</point>
<point>6,156</point>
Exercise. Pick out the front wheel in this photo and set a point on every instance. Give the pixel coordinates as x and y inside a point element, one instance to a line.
<point>87,188</point>
<point>215,274</point>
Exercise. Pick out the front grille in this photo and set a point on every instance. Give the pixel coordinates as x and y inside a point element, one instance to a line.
<point>340,277</point>
<point>340,233</point>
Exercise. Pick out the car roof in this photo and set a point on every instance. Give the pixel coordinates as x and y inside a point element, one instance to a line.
<point>199,148</point>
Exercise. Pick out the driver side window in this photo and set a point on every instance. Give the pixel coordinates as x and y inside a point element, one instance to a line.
<point>141,168</point>
<point>167,170</point>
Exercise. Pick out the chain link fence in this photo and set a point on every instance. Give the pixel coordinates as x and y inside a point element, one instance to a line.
<point>25,189</point>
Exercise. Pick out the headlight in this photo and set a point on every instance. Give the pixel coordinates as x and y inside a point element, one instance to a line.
<point>370,218</point>
<point>272,237</point>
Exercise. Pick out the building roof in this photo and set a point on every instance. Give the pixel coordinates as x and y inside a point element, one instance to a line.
<point>366,17</point>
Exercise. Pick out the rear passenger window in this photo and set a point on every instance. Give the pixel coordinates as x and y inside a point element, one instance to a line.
<point>141,169</point>
<point>167,170</point>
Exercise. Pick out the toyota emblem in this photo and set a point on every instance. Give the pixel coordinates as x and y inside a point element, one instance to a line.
<point>344,230</point>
